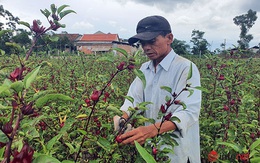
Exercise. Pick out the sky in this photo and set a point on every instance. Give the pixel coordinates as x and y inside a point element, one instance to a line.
<point>214,17</point>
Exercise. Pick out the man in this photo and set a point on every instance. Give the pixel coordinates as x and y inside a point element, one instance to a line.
<point>166,68</point>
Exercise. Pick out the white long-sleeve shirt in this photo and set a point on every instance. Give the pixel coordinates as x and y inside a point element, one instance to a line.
<point>172,72</point>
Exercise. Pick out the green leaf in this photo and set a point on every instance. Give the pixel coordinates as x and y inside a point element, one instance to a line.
<point>46,13</point>
<point>54,38</point>
<point>168,89</point>
<point>53,8</point>
<point>82,131</point>
<point>45,159</point>
<point>190,72</point>
<point>175,119</point>
<point>61,8</point>
<point>122,51</point>
<point>106,58</point>
<point>54,140</point>
<point>183,105</point>
<point>72,149</point>
<point>2,32</point>
<point>255,160</point>
<point>202,89</point>
<point>67,125</point>
<point>104,143</point>
<point>131,99</point>
<point>4,88</point>
<point>51,97</point>
<point>30,77</point>
<point>17,86</point>
<point>255,144</point>
<point>24,23</point>
<point>67,161</point>
<point>145,155</point>
<point>82,116</point>
<point>41,94</point>
<point>191,92</point>
<point>141,76</point>
<point>64,13</point>
<point>236,147</point>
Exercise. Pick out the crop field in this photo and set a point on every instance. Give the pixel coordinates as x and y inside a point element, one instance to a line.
<point>60,109</point>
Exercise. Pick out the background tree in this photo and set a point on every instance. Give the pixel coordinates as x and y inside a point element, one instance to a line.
<point>245,22</point>
<point>22,38</point>
<point>9,23</point>
<point>180,47</point>
<point>200,44</point>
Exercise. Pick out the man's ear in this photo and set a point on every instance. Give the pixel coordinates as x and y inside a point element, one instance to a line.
<point>170,37</point>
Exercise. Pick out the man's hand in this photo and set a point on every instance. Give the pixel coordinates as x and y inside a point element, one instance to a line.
<point>139,134</point>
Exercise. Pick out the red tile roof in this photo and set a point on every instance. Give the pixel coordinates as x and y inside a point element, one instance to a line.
<point>99,37</point>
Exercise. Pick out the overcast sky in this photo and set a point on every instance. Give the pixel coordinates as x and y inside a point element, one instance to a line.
<point>214,17</point>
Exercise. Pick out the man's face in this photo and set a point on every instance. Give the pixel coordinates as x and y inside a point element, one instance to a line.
<point>157,48</point>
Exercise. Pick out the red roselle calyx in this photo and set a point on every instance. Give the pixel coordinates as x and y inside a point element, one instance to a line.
<point>87,101</point>
<point>16,74</point>
<point>7,128</point>
<point>221,77</point>
<point>163,110</point>
<point>24,156</point>
<point>118,139</point>
<point>213,156</point>
<point>36,28</point>
<point>95,95</point>
<point>27,109</point>
<point>177,102</point>
<point>154,151</point>
<point>14,105</point>
<point>168,116</point>
<point>120,67</point>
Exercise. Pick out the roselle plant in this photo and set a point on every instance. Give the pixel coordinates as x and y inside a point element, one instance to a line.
<point>230,116</point>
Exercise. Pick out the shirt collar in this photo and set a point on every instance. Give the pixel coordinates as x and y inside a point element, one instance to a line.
<point>166,62</point>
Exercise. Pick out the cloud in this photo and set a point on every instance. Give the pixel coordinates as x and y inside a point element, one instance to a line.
<point>82,25</point>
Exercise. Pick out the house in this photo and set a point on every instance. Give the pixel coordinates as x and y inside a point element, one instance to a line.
<point>100,42</point>
<point>254,49</point>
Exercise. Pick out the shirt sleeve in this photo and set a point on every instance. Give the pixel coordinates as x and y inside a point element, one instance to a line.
<point>190,115</point>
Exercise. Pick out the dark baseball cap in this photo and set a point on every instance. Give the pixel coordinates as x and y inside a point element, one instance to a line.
<point>150,27</point>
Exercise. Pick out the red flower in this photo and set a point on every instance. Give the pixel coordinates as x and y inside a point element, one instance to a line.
<point>213,156</point>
